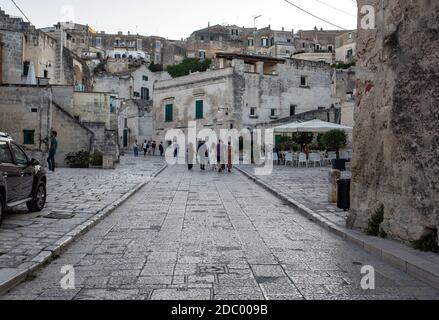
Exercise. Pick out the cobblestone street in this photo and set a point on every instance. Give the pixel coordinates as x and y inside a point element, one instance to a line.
<point>201,236</point>
<point>74,195</point>
<point>309,186</point>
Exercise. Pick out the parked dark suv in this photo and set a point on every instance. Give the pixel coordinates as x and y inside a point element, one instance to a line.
<point>22,180</point>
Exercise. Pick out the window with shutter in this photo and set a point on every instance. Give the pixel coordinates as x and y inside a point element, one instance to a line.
<point>169,113</point>
<point>199,112</point>
<point>28,137</point>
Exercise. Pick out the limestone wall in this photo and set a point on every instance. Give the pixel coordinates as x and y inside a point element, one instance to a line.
<point>25,108</point>
<point>72,136</point>
<point>396,152</point>
<point>12,56</point>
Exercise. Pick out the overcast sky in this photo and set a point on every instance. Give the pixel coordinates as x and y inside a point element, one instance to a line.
<point>175,19</point>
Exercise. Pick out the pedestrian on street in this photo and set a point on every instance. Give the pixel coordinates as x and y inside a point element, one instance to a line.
<point>52,150</point>
<point>161,149</point>
<point>136,149</point>
<point>203,153</point>
<point>190,156</point>
<point>154,147</point>
<point>176,152</point>
<point>219,156</point>
<point>145,148</point>
<point>149,148</point>
<point>230,157</point>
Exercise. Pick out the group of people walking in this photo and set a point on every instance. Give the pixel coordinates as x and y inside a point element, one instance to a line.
<point>219,156</point>
<point>149,148</point>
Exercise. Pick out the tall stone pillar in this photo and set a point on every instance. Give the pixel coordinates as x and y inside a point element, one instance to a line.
<point>260,67</point>
<point>396,138</point>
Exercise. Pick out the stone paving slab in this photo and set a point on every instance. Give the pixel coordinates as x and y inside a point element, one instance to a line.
<point>28,241</point>
<point>188,235</point>
<point>293,185</point>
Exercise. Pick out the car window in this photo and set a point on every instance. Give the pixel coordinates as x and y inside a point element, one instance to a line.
<point>5,153</point>
<point>20,156</point>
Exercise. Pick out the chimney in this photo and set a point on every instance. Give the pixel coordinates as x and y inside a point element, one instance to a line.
<point>283,29</point>
<point>129,33</point>
<point>120,33</point>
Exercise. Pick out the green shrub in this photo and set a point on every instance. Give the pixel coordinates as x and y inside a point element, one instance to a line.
<point>287,144</point>
<point>155,67</point>
<point>373,228</point>
<point>335,140</point>
<point>80,159</point>
<point>344,66</point>
<point>187,66</point>
<point>428,243</point>
<point>97,159</point>
<point>320,141</point>
<point>303,138</point>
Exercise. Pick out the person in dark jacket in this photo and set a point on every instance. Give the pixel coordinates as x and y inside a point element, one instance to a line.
<point>52,151</point>
<point>203,153</point>
<point>161,149</point>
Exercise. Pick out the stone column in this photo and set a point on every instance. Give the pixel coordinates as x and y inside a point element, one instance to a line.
<point>334,175</point>
<point>260,67</point>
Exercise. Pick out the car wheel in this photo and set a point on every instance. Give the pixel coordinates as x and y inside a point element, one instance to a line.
<point>39,201</point>
<point>2,209</point>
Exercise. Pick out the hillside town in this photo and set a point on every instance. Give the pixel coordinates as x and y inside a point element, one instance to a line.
<point>348,188</point>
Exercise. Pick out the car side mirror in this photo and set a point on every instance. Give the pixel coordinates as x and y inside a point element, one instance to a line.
<point>34,162</point>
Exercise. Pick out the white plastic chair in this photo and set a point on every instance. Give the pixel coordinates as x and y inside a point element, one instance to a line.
<point>275,157</point>
<point>315,159</point>
<point>289,158</point>
<point>296,159</point>
<point>302,160</point>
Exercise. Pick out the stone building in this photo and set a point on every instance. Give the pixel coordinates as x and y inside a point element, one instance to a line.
<point>33,56</point>
<point>317,40</point>
<point>243,92</point>
<point>205,43</point>
<point>136,83</point>
<point>396,147</point>
<point>345,46</point>
<point>158,50</point>
<point>134,90</point>
<point>28,113</point>
<point>344,93</point>
<point>76,37</point>
<point>135,123</point>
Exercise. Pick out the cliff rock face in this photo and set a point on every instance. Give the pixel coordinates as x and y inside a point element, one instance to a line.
<point>396,156</point>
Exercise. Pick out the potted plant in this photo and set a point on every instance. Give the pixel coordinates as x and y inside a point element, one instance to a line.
<point>97,159</point>
<point>80,159</point>
<point>335,140</point>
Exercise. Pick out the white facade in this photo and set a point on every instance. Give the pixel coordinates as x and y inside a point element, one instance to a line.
<point>241,95</point>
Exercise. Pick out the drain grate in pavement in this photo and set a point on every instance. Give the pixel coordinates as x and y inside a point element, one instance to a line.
<point>203,270</point>
<point>60,216</point>
<point>155,228</point>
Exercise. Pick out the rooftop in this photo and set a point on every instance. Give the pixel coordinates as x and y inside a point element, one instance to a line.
<point>249,58</point>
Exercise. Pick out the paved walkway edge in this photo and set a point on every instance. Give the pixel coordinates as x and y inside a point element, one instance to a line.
<point>394,253</point>
<point>11,277</point>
